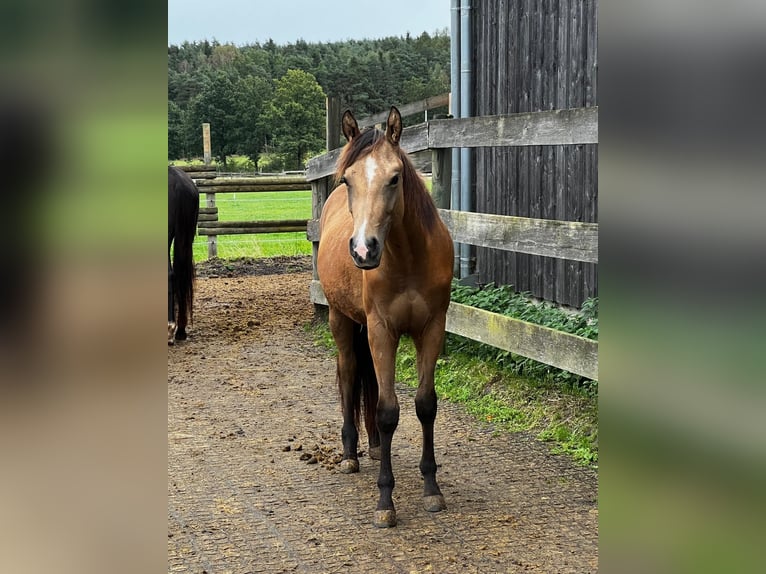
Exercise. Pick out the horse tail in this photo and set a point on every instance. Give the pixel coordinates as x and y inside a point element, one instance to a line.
<point>183,253</point>
<point>365,383</point>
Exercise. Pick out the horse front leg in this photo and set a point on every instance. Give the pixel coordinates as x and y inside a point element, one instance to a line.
<point>383,345</point>
<point>428,347</point>
<point>343,332</point>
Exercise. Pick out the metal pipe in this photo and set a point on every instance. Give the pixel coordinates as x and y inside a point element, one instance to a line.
<point>466,91</point>
<point>455,111</point>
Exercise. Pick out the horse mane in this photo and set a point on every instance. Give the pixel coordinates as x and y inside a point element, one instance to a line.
<point>416,195</point>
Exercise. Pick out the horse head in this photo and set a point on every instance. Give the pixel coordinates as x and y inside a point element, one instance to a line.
<point>373,176</point>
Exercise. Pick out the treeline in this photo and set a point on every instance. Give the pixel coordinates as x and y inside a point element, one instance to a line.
<point>267,101</point>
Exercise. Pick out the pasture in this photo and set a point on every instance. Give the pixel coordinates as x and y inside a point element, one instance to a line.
<point>259,206</point>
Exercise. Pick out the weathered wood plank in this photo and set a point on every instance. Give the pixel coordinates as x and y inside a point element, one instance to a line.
<point>208,210</point>
<point>256,188</point>
<point>207,217</point>
<point>312,230</point>
<point>407,110</point>
<point>414,139</point>
<point>196,168</point>
<point>210,231</point>
<point>554,127</point>
<point>257,180</point>
<point>569,352</point>
<point>320,191</point>
<point>549,238</point>
<point>316,294</point>
<point>256,224</point>
<point>441,177</point>
<point>333,120</point>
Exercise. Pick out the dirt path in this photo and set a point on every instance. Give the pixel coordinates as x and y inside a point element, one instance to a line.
<point>249,384</point>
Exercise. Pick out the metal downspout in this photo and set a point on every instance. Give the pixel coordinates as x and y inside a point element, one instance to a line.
<point>455,104</point>
<point>466,92</point>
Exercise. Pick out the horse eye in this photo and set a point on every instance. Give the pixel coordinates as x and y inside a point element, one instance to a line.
<point>394,180</point>
<point>342,180</point>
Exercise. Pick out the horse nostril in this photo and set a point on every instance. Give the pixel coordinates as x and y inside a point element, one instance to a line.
<point>374,246</point>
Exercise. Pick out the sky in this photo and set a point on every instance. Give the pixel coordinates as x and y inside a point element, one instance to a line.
<point>286,21</point>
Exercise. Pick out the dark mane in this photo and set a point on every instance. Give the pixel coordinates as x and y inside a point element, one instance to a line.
<point>416,195</point>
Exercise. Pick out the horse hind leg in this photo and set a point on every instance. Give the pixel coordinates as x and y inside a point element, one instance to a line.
<point>171,332</point>
<point>368,379</point>
<point>343,332</point>
<point>171,307</point>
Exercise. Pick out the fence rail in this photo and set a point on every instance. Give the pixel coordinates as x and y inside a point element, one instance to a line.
<point>554,127</point>
<point>208,223</point>
<point>559,239</point>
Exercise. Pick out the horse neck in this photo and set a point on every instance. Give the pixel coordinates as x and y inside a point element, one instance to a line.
<point>406,243</point>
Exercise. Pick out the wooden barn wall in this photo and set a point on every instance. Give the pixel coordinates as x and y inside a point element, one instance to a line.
<point>532,55</point>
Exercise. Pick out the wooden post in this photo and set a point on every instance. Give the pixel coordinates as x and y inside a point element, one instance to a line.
<point>320,191</point>
<point>332,106</point>
<point>206,144</point>
<point>441,176</point>
<point>212,240</point>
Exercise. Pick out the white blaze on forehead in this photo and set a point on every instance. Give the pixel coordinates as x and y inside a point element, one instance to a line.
<point>371,167</point>
<point>360,245</point>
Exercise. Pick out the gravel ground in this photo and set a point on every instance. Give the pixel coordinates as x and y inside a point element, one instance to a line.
<point>254,434</point>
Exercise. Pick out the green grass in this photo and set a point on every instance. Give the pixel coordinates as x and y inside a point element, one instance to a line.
<point>259,207</point>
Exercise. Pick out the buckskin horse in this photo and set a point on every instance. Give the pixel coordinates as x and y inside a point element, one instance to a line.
<point>183,210</point>
<point>385,265</point>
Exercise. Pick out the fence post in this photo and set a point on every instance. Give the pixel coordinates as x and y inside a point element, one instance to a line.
<point>441,176</point>
<point>320,190</point>
<point>212,240</point>
<point>207,157</point>
<point>332,106</point>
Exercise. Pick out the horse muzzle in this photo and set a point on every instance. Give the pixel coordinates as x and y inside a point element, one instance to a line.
<point>365,255</point>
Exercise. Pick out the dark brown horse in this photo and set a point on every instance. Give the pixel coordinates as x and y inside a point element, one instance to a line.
<point>385,265</point>
<point>183,210</point>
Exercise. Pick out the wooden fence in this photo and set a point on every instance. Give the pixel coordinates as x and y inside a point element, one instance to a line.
<point>550,238</point>
<point>208,222</point>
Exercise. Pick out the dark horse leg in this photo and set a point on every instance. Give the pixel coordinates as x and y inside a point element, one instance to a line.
<point>383,345</point>
<point>171,301</point>
<point>343,332</point>
<point>429,345</point>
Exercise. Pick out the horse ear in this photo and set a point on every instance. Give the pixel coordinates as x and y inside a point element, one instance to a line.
<point>349,126</point>
<point>394,126</point>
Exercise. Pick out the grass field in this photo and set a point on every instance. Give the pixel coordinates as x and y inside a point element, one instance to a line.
<point>259,207</point>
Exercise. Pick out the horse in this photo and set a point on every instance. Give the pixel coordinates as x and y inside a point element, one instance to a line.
<point>183,211</point>
<point>385,265</point>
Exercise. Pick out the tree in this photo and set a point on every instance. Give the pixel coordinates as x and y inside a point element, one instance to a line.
<point>253,95</point>
<point>217,106</point>
<point>296,115</point>
<point>175,131</point>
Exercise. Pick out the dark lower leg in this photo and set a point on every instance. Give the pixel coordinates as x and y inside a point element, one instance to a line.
<point>388,419</point>
<point>425,406</point>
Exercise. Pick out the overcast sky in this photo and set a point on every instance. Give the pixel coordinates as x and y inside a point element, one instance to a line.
<point>286,21</point>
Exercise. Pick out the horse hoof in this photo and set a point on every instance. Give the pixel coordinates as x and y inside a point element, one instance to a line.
<point>171,333</point>
<point>434,503</point>
<point>181,334</point>
<point>385,519</point>
<point>349,466</point>
<point>375,452</point>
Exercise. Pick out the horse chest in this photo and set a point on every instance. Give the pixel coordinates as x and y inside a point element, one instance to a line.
<point>405,312</point>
